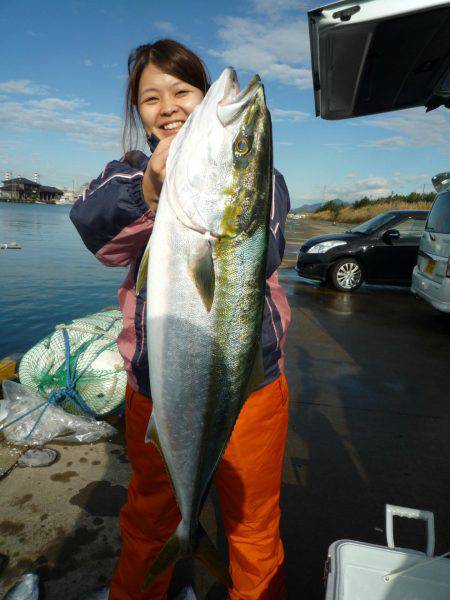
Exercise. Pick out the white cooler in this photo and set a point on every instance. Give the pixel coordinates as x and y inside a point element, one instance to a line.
<point>359,571</point>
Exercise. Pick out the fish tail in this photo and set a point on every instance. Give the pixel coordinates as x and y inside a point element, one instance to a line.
<point>177,547</point>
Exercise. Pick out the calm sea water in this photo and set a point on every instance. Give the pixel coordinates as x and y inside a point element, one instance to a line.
<point>52,279</point>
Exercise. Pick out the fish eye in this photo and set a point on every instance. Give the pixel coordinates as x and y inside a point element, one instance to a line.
<point>241,146</point>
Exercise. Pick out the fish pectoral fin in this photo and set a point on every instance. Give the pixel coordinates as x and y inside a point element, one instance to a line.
<point>143,268</point>
<point>207,553</point>
<point>257,374</point>
<point>202,271</point>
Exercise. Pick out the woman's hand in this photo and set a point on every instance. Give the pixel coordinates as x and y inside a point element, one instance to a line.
<point>155,173</point>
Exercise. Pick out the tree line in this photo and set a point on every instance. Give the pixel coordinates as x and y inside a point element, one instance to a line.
<point>412,198</point>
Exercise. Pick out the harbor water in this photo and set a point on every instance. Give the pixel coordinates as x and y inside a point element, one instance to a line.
<point>52,279</point>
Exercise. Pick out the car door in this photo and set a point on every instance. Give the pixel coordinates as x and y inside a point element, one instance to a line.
<point>373,56</point>
<point>394,259</point>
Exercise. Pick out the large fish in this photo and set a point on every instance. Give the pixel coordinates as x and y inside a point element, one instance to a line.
<point>205,288</point>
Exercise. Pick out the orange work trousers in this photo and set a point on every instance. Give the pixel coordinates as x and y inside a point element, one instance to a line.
<point>248,483</point>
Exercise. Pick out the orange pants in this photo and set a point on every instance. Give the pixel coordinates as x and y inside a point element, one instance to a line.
<point>248,483</point>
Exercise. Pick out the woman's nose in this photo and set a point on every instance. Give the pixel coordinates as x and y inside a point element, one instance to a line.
<point>168,107</point>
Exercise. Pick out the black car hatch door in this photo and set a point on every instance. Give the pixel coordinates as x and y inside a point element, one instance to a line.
<point>375,56</point>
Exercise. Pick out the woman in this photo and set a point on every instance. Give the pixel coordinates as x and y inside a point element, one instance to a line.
<point>115,217</point>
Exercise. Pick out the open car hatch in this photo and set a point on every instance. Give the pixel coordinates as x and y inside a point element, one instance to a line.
<point>375,56</point>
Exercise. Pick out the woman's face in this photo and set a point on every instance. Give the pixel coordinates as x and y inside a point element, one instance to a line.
<point>165,102</point>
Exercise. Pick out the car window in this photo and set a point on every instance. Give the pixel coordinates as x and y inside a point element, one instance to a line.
<point>411,227</point>
<point>374,223</point>
<point>439,218</point>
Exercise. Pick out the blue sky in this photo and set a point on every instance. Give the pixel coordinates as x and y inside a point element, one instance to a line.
<point>63,77</point>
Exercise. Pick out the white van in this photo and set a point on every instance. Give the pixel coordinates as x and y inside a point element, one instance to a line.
<point>431,276</point>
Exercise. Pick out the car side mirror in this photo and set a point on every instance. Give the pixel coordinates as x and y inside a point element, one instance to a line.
<point>391,234</point>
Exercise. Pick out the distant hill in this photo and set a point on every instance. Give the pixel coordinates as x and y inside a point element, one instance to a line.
<point>308,208</point>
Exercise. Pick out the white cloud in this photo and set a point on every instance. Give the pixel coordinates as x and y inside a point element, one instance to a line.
<point>110,65</point>
<point>165,26</point>
<point>57,104</point>
<point>279,114</point>
<point>416,128</point>
<point>97,131</point>
<point>270,6</point>
<point>353,188</point>
<point>278,51</point>
<point>390,143</point>
<point>88,62</point>
<point>23,86</point>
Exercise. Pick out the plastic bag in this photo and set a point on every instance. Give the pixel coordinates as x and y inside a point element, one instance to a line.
<point>31,421</point>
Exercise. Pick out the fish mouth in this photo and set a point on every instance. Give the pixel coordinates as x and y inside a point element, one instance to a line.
<point>235,100</point>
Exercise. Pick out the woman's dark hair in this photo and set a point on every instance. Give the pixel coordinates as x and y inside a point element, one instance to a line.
<point>172,58</point>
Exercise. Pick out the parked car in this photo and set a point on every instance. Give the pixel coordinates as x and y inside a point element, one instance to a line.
<point>382,250</point>
<point>431,276</point>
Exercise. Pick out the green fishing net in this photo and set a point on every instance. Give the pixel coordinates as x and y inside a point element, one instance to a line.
<point>95,363</point>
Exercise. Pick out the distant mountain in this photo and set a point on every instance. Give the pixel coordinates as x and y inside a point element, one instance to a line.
<point>308,208</point>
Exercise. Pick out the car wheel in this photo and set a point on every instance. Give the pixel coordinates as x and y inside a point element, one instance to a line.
<point>346,275</point>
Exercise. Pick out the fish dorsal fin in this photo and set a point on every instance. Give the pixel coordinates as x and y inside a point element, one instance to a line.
<point>143,268</point>
<point>201,266</point>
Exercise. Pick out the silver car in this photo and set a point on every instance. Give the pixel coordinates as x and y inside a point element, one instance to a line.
<point>431,276</point>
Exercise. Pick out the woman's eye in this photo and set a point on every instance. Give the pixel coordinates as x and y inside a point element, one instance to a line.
<point>151,99</point>
<point>182,92</point>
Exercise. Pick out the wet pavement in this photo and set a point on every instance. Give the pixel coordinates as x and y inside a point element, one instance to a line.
<point>369,422</point>
<point>369,425</point>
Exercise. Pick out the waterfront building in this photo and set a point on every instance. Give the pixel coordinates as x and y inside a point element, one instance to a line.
<point>21,189</point>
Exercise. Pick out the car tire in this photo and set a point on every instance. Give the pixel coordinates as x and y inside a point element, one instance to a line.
<point>346,275</point>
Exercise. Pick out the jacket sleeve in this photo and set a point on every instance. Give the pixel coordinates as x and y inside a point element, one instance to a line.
<point>112,217</point>
<point>280,207</point>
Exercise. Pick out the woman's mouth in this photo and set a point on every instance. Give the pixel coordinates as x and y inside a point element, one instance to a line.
<point>172,126</point>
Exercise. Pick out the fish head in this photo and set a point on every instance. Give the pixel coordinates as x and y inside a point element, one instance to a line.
<point>219,169</point>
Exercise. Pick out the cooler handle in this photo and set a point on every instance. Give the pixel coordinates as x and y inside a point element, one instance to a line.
<point>410,513</point>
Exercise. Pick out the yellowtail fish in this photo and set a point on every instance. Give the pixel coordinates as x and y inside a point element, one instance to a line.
<point>205,267</point>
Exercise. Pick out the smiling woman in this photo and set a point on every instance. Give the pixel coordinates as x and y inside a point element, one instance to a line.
<point>163,75</point>
<point>166,82</point>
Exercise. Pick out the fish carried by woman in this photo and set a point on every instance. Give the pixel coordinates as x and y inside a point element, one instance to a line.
<point>206,265</point>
